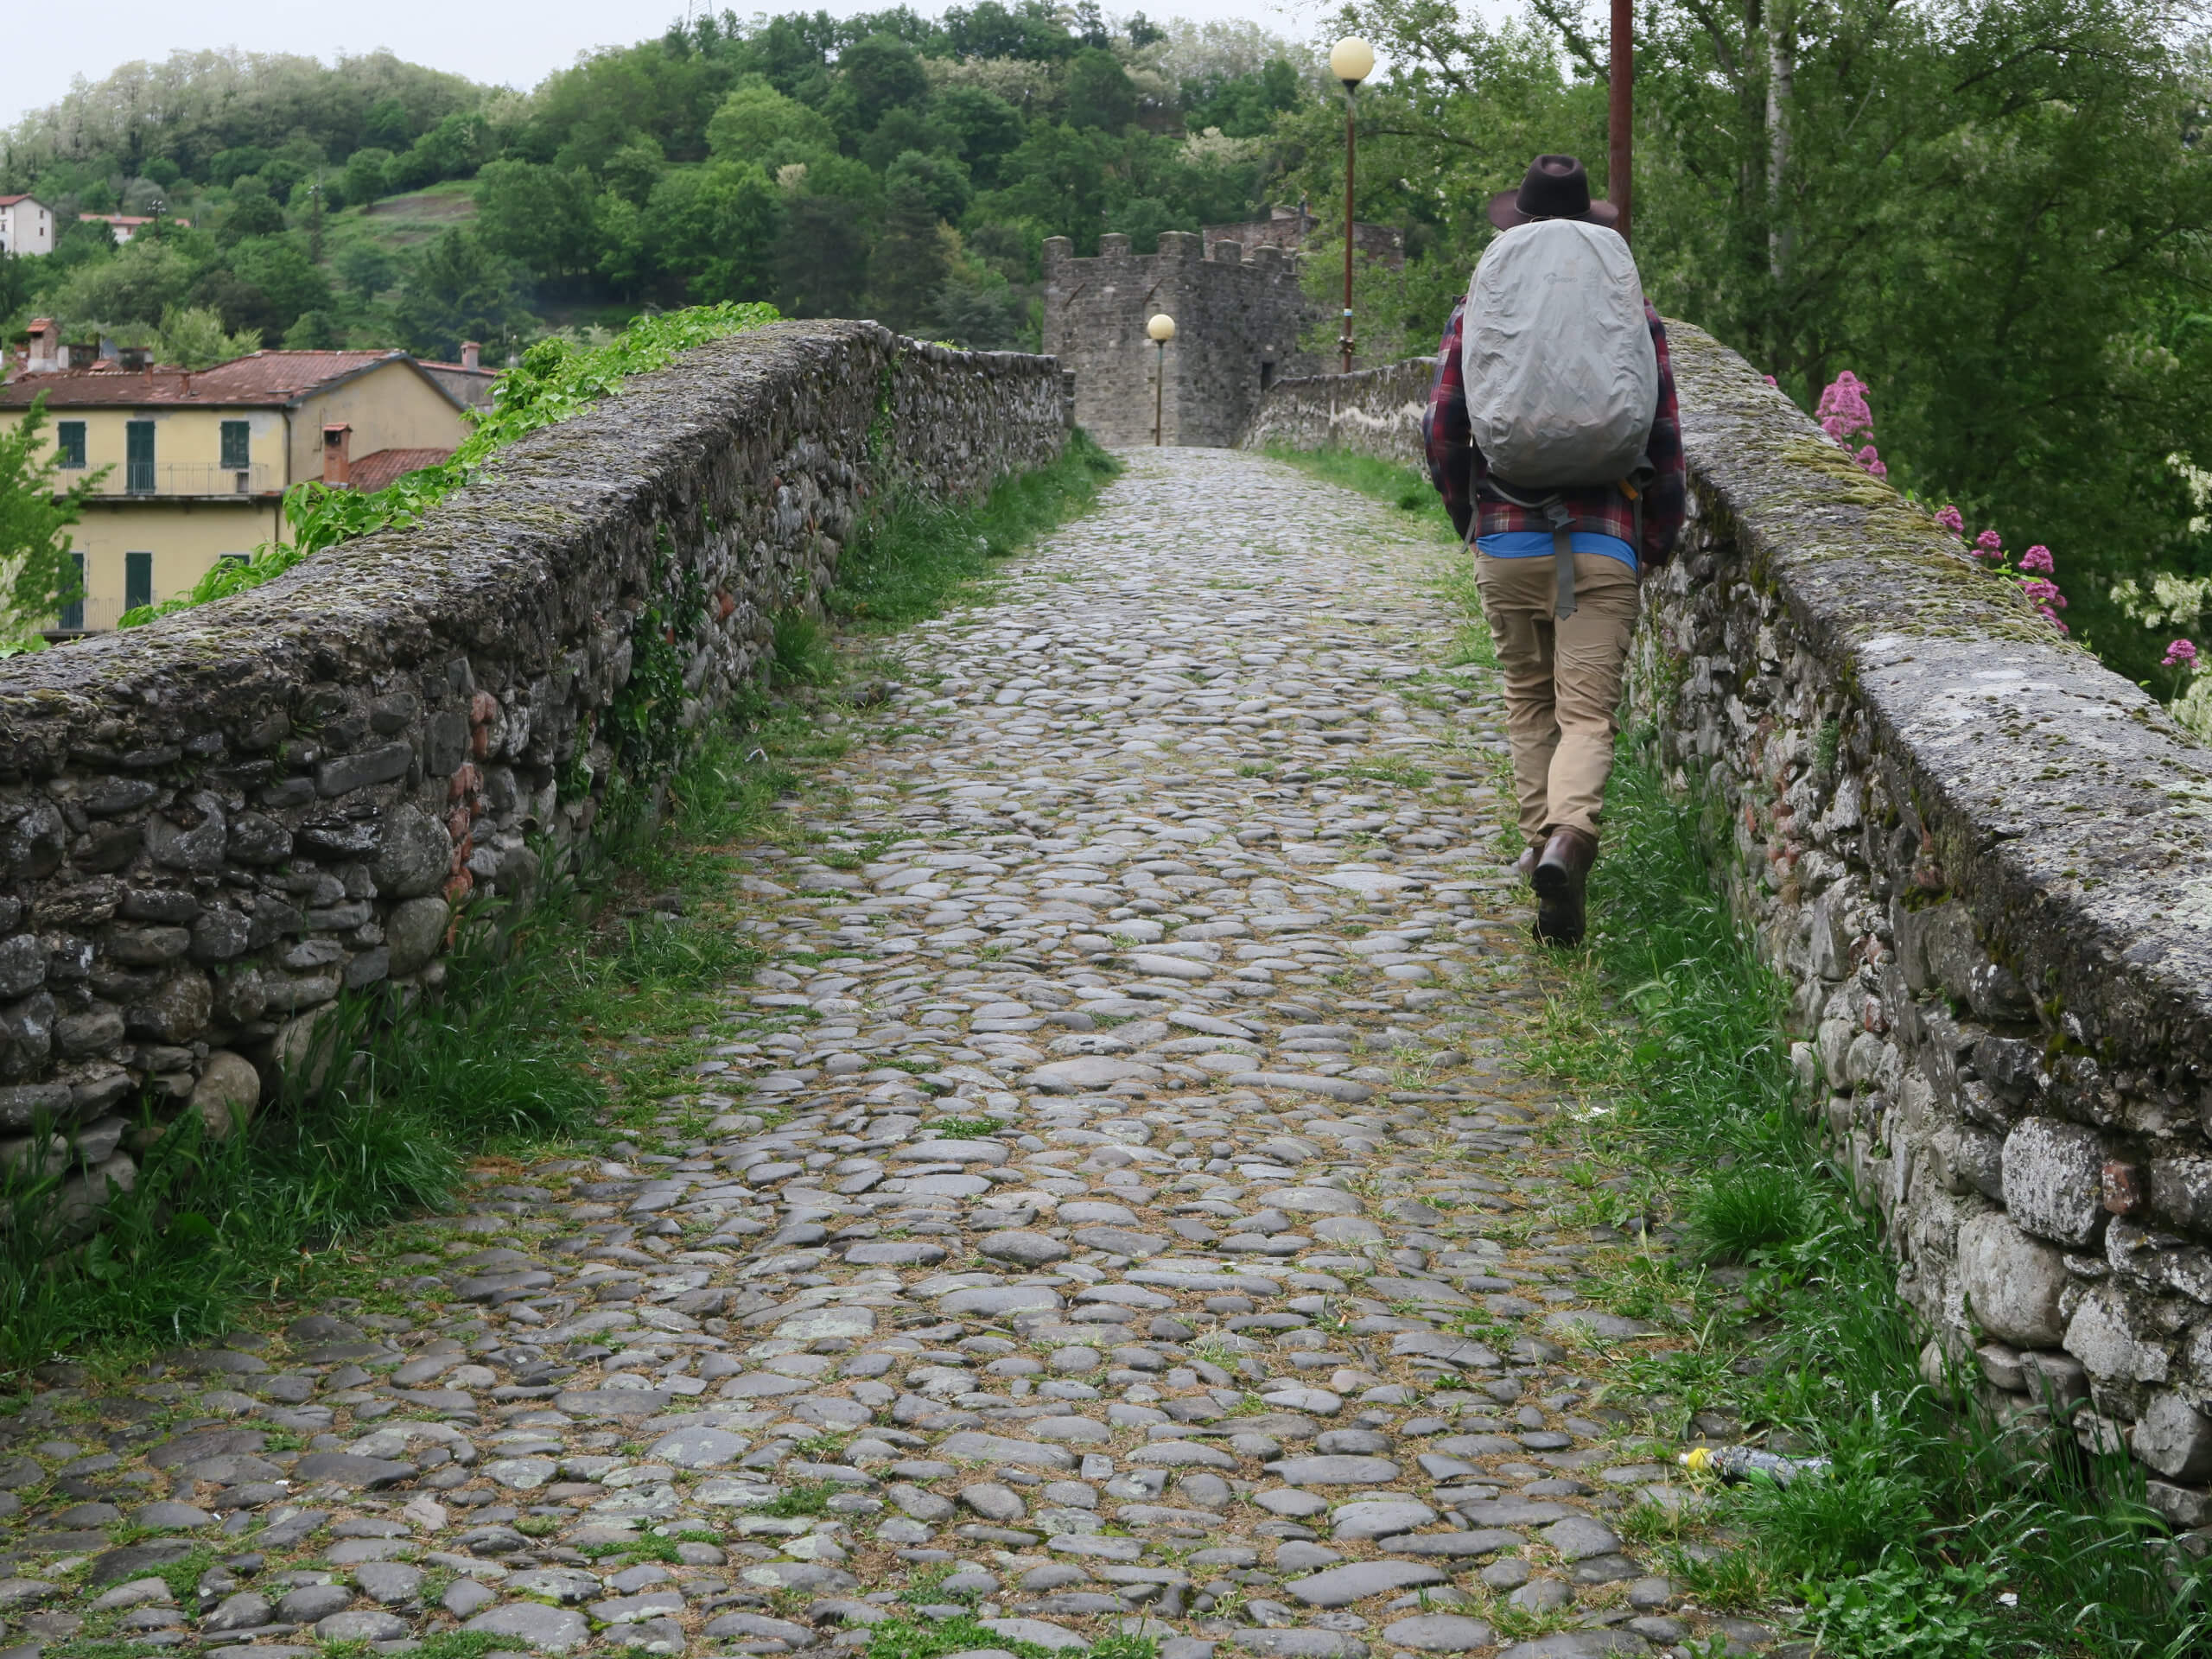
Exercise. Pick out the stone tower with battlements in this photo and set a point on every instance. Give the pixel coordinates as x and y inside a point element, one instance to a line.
<point>1238,324</point>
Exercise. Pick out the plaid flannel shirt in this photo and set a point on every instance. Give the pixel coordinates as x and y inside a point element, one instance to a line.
<point>1458,469</point>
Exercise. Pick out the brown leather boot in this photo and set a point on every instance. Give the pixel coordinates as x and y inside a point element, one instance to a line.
<point>1562,874</point>
<point>1525,866</point>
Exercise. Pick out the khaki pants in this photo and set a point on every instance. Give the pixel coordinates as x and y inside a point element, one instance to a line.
<point>1562,681</point>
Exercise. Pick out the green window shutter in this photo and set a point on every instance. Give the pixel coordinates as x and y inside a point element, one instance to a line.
<point>69,442</point>
<point>137,580</point>
<point>238,444</point>
<point>72,619</point>
<point>139,457</point>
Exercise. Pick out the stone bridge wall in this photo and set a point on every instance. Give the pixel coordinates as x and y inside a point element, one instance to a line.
<point>211,827</point>
<point>1980,859</point>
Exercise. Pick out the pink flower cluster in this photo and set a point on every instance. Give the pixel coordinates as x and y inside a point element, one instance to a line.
<point>1842,412</point>
<point>1845,416</point>
<point>2180,654</point>
<point>2033,569</point>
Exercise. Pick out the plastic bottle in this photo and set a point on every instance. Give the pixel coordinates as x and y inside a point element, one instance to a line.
<point>1733,1463</point>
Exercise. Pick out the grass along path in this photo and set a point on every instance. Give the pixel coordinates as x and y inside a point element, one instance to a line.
<point>601,999</point>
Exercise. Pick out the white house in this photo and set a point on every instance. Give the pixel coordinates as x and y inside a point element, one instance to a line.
<point>26,225</point>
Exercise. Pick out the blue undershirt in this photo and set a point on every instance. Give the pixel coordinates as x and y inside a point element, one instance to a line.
<point>1537,544</point>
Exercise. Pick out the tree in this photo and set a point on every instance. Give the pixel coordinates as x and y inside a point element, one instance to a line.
<point>136,284</point>
<point>388,126</point>
<point>756,123</point>
<point>820,258</point>
<point>537,215</point>
<point>228,167</point>
<point>713,229</point>
<point>909,262</point>
<point>452,150</point>
<point>625,254</point>
<point>631,171</point>
<point>1243,106</point>
<point>879,74</point>
<point>978,126</point>
<point>185,110</point>
<point>1031,31</point>
<point>192,337</point>
<point>366,268</point>
<point>314,331</point>
<point>1059,178</point>
<point>290,282</point>
<point>253,211</point>
<point>940,184</point>
<point>1099,91</point>
<point>458,290</point>
<point>17,281</point>
<point>977,307</point>
<point>365,170</point>
<point>38,576</point>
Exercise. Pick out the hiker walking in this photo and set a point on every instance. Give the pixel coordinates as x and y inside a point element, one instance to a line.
<point>1551,436</point>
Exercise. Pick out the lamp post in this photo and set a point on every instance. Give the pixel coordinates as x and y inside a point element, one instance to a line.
<point>1351,61</point>
<point>1162,329</point>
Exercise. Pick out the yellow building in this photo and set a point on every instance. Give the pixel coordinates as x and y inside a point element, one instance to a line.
<point>200,461</point>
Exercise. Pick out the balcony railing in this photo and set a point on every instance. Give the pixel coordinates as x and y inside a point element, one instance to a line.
<point>190,477</point>
<point>87,615</point>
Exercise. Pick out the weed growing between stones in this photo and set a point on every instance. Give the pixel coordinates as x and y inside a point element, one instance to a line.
<point>1938,1533</point>
<point>551,1024</point>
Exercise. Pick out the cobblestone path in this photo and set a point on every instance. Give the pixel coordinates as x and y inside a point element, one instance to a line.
<point>1077,1231</point>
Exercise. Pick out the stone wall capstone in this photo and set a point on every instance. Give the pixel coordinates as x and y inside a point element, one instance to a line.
<point>213,826</point>
<point>1979,858</point>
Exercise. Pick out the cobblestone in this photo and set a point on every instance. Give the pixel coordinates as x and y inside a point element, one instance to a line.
<point>1076,1225</point>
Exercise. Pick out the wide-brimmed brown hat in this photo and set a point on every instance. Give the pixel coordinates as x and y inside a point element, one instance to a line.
<point>1556,187</point>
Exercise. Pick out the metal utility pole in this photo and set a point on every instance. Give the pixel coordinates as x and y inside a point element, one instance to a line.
<point>1620,117</point>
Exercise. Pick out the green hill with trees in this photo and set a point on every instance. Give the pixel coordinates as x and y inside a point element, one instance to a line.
<point>901,167</point>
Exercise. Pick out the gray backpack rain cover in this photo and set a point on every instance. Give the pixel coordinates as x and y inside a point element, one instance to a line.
<point>1562,379</point>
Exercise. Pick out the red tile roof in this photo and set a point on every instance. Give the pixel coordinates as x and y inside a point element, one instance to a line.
<point>379,467</point>
<point>264,379</point>
<point>10,201</point>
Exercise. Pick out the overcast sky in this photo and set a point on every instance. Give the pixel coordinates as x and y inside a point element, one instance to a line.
<point>517,42</point>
